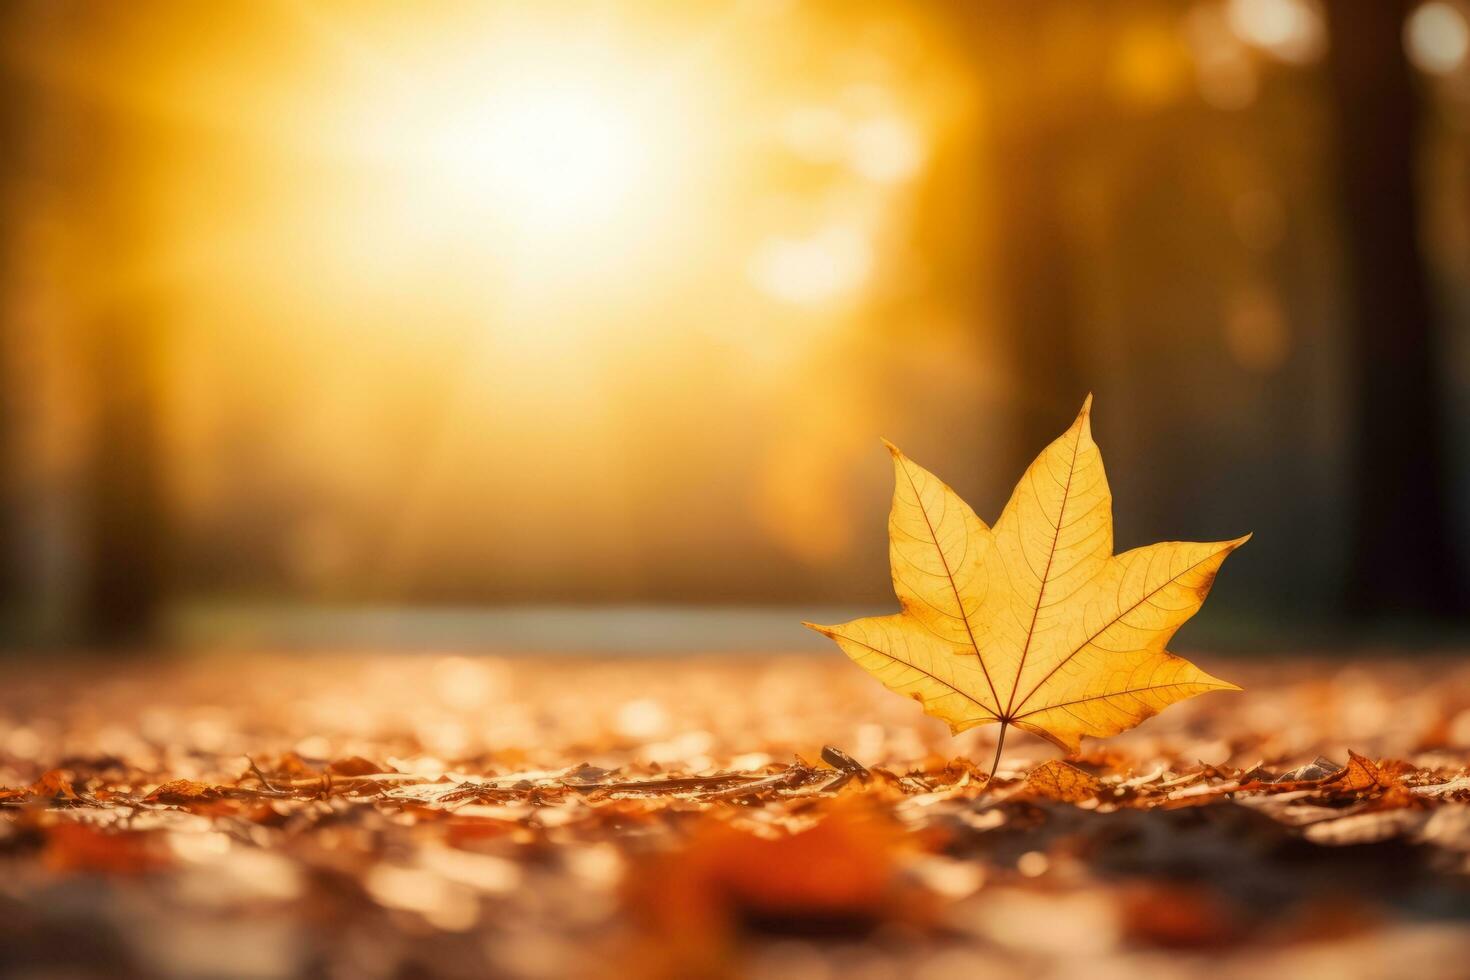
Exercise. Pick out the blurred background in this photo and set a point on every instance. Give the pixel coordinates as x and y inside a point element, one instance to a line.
<point>552,325</point>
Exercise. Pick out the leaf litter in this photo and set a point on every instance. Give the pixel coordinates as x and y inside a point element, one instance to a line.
<point>188,819</point>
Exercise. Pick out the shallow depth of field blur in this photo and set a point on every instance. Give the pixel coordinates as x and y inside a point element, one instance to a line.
<point>424,426</point>
<point>445,324</point>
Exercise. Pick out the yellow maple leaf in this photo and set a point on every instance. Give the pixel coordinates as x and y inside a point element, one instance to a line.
<point>1034,622</point>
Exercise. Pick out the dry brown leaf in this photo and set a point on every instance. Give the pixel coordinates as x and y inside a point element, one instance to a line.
<point>1035,622</point>
<point>1056,780</point>
<point>840,874</point>
<point>356,765</point>
<point>1318,770</point>
<point>54,784</point>
<point>1364,775</point>
<point>1361,774</point>
<point>181,792</point>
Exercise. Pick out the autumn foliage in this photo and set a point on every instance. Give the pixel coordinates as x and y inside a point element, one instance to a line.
<point>1035,622</point>
<point>662,820</point>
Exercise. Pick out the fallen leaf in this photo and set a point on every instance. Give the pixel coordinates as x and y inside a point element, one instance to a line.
<point>356,765</point>
<point>1362,774</point>
<point>182,792</point>
<point>1456,789</point>
<point>79,848</point>
<point>840,875</point>
<point>843,868</point>
<point>1056,780</point>
<point>1035,622</point>
<point>841,761</point>
<point>1315,771</point>
<point>291,764</point>
<point>1398,796</point>
<point>54,784</point>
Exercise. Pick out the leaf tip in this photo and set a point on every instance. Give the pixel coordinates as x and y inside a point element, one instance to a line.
<point>1086,406</point>
<point>1241,540</point>
<point>824,630</point>
<point>890,447</point>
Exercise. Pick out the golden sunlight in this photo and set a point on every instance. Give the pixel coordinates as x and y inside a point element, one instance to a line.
<point>427,427</point>
<point>551,147</point>
<point>415,243</point>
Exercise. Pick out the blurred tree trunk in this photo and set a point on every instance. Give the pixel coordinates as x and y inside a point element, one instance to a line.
<point>1035,72</point>
<point>12,125</point>
<point>125,515</point>
<point>82,507</point>
<point>122,346</point>
<point>1403,553</point>
<point>1038,298</point>
<point>38,403</point>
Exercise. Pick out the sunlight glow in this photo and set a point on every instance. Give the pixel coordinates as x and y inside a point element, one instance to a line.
<point>887,150</point>
<point>545,160</point>
<point>523,150</point>
<point>814,270</point>
<point>464,259</point>
<point>1437,38</point>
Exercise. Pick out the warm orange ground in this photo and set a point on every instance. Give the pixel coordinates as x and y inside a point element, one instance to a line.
<point>394,816</point>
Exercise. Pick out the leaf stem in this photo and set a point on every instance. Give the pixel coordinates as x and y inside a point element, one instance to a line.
<point>1000,743</point>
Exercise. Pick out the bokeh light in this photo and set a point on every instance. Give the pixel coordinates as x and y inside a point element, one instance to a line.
<point>1292,30</point>
<point>1437,37</point>
<point>548,303</point>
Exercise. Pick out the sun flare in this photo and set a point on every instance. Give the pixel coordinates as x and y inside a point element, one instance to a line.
<point>519,147</point>
<point>541,159</point>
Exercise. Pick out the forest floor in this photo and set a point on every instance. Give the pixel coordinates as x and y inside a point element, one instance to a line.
<point>394,816</point>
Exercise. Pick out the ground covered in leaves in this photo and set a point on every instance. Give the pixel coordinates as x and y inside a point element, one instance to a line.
<point>448,816</point>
